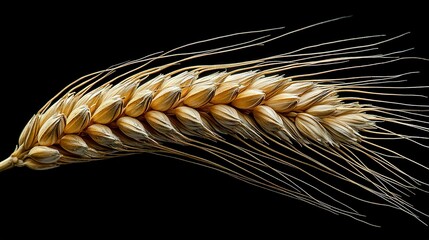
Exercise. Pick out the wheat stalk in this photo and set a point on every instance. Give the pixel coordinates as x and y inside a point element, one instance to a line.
<point>291,133</point>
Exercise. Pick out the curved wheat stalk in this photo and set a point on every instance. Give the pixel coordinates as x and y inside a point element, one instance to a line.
<point>295,124</point>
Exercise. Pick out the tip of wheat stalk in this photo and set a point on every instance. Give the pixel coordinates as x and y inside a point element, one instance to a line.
<point>289,123</point>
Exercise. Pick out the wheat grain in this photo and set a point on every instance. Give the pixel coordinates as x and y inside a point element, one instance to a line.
<point>257,103</point>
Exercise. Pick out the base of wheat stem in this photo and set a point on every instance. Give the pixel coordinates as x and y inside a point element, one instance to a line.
<point>7,163</point>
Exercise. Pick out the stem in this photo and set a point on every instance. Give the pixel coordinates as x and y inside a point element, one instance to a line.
<point>6,164</point>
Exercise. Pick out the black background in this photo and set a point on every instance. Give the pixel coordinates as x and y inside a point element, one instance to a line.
<point>46,47</point>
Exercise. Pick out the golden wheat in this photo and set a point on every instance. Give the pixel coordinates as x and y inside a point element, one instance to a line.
<point>291,133</point>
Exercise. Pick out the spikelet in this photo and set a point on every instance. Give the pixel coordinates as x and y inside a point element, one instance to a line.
<point>283,102</point>
<point>28,136</point>
<point>300,133</point>
<point>166,98</point>
<point>43,154</point>
<point>74,144</point>
<point>139,103</point>
<point>225,93</point>
<point>104,136</point>
<point>51,131</point>
<point>199,95</point>
<point>248,99</point>
<point>78,120</point>
<point>132,128</point>
<point>109,110</point>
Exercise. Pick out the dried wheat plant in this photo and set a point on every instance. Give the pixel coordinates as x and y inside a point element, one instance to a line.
<point>292,127</point>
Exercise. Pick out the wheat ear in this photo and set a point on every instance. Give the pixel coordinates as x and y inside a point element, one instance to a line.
<point>296,125</point>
